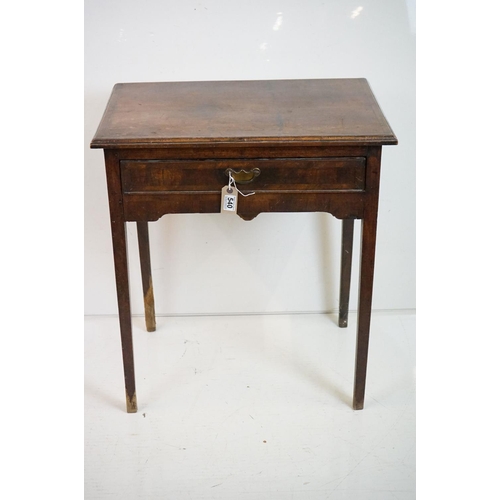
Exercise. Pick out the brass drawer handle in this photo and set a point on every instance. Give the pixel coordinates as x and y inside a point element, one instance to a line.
<point>243,176</point>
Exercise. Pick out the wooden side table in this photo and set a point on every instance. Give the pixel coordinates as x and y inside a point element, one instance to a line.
<point>299,145</point>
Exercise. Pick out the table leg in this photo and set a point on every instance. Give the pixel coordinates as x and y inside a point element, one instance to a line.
<point>147,280</point>
<point>345,270</point>
<point>368,236</point>
<point>122,287</point>
<point>119,238</point>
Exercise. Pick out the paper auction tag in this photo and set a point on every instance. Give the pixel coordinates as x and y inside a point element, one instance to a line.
<point>229,199</point>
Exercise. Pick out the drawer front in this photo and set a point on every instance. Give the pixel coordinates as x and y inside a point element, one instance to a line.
<point>282,174</point>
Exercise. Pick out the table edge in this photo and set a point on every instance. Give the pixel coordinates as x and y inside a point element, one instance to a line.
<point>390,140</point>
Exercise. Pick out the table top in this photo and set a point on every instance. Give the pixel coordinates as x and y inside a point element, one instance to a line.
<point>159,114</point>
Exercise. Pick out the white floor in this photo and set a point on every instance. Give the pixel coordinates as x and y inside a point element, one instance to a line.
<point>250,407</point>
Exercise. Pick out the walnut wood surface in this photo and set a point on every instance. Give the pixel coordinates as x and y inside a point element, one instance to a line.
<point>342,111</point>
<point>318,174</point>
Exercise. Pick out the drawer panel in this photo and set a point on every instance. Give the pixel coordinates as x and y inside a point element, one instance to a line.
<point>289,174</point>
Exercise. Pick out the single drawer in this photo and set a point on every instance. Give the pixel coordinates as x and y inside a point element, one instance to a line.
<point>289,174</point>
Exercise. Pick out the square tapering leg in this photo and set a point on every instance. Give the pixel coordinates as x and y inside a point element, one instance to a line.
<point>366,273</point>
<point>345,270</point>
<point>119,238</point>
<point>147,280</point>
<point>364,310</point>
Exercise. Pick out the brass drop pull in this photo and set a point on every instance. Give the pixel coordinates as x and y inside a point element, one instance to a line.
<point>243,176</point>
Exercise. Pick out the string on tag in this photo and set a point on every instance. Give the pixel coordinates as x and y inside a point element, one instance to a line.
<point>233,183</point>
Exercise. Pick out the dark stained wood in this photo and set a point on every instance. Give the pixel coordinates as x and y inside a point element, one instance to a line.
<point>366,273</point>
<point>340,111</point>
<point>152,206</point>
<point>345,270</point>
<point>147,279</point>
<point>231,151</point>
<point>119,237</point>
<point>308,174</point>
<point>317,145</point>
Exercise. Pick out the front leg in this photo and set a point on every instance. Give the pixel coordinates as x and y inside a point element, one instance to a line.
<point>366,271</point>
<point>364,308</point>
<point>124,313</point>
<point>119,238</point>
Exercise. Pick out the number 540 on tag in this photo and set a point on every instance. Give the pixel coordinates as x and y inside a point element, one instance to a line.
<point>229,199</point>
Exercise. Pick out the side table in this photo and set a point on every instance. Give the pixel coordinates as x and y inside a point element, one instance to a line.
<point>299,145</point>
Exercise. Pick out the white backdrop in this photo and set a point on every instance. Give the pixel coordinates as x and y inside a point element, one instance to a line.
<point>277,262</point>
